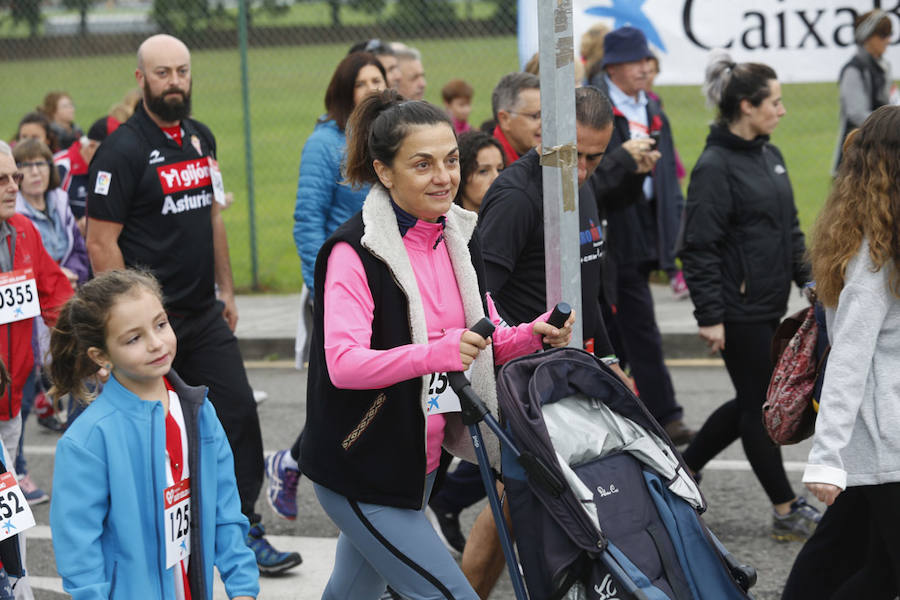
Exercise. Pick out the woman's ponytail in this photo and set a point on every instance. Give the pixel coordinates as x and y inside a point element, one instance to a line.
<point>728,84</point>
<point>718,74</point>
<point>70,366</point>
<point>359,169</point>
<point>377,128</point>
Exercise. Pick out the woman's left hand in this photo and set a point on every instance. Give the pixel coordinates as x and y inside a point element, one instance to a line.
<point>825,492</point>
<point>555,337</point>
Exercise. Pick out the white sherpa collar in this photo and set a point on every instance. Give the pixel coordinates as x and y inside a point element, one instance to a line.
<point>382,239</point>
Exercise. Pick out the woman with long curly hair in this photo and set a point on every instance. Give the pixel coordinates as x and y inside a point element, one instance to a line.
<point>854,463</point>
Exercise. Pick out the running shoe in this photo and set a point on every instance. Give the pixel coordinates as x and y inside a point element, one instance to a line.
<point>269,560</point>
<point>679,286</point>
<point>446,525</point>
<point>281,491</point>
<point>259,396</point>
<point>33,493</point>
<point>797,525</point>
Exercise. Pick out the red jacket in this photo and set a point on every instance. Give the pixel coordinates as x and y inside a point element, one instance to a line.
<point>53,291</point>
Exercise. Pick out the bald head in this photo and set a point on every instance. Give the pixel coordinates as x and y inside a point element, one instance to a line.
<point>164,75</point>
<point>160,46</point>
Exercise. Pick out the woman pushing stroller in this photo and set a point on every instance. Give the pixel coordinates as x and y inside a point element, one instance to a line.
<point>399,282</point>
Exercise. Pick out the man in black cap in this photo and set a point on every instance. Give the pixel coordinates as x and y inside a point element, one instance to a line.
<point>639,166</point>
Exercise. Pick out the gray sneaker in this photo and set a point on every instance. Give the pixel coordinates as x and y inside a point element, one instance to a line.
<point>797,525</point>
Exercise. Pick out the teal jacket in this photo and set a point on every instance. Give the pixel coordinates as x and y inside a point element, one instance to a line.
<point>107,510</point>
<point>323,201</point>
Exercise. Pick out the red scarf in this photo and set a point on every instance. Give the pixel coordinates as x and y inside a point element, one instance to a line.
<point>176,462</point>
<point>510,153</point>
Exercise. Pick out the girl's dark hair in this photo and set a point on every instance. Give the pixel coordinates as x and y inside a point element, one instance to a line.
<point>339,95</point>
<point>728,83</point>
<point>43,121</point>
<point>82,325</point>
<point>33,148</point>
<point>377,128</point>
<point>470,144</point>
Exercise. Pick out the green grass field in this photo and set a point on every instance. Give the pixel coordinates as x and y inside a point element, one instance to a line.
<point>287,90</point>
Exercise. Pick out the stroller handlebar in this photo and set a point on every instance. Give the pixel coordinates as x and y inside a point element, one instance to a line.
<point>558,317</point>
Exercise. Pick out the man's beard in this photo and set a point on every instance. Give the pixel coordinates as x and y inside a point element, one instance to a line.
<point>168,111</point>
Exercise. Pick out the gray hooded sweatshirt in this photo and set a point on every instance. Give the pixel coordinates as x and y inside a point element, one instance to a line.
<point>857,439</point>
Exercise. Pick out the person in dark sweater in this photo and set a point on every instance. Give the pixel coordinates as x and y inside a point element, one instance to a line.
<point>511,223</point>
<point>741,249</point>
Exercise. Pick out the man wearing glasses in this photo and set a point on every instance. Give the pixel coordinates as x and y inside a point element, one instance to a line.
<point>516,103</point>
<point>31,285</point>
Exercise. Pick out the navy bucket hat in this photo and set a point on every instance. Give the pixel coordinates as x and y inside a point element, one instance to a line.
<point>625,44</point>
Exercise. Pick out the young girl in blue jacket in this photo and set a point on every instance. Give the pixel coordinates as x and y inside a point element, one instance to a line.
<point>144,496</point>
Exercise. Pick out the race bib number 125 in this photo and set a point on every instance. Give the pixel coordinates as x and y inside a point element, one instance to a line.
<point>177,503</point>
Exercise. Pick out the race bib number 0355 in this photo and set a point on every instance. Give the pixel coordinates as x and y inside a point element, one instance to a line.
<point>177,503</point>
<point>18,296</point>
<point>15,514</point>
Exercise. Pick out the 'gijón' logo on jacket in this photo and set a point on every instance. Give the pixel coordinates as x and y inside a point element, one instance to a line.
<point>184,176</point>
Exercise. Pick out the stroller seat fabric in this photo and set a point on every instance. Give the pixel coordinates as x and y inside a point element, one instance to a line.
<point>629,518</point>
<point>626,523</point>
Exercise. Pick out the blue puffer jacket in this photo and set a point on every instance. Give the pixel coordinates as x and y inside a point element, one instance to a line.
<point>323,202</point>
<point>107,510</point>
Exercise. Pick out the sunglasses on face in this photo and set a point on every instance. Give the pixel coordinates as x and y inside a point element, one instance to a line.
<point>14,177</point>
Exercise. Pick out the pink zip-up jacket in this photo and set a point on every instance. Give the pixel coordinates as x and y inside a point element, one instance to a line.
<point>349,308</point>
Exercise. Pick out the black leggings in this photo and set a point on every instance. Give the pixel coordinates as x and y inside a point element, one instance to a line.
<point>747,359</point>
<point>853,553</point>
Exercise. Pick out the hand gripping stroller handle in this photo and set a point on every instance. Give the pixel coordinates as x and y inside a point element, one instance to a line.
<point>558,317</point>
<point>473,409</point>
<point>484,328</point>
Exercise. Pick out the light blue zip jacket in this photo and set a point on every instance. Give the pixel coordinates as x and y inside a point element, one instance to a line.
<point>323,202</point>
<point>106,515</point>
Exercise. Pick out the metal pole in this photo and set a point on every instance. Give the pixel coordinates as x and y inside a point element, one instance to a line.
<point>559,157</point>
<point>248,144</point>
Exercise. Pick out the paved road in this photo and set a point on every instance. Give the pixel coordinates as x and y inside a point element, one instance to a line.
<point>739,512</point>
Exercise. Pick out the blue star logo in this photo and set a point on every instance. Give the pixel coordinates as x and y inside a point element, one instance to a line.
<point>433,403</point>
<point>9,526</point>
<point>19,312</point>
<point>629,12</point>
<point>184,546</point>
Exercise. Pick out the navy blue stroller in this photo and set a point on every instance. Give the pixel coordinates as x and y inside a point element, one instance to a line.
<point>602,506</point>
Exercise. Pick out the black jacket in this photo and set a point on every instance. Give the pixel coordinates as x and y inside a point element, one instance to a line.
<point>641,229</point>
<point>511,226</point>
<point>742,242</point>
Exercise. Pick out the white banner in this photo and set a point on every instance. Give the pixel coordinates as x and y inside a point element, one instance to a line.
<point>803,40</point>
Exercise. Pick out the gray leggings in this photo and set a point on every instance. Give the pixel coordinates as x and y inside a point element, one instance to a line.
<point>383,545</point>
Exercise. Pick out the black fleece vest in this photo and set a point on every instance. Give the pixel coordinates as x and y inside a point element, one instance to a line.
<point>368,445</point>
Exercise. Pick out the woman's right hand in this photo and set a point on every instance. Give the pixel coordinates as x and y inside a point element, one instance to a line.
<point>825,492</point>
<point>714,336</point>
<point>470,344</point>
